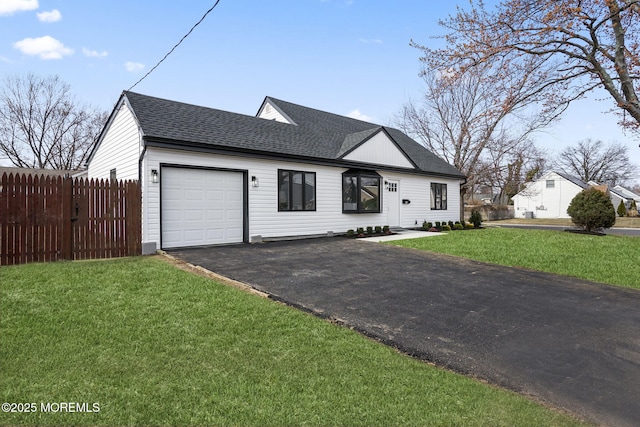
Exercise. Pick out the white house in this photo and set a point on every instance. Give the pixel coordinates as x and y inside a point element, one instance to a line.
<point>547,197</point>
<point>550,196</point>
<point>213,177</point>
<point>625,195</point>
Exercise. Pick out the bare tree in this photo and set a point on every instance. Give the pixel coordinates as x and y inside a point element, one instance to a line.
<point>568,48</point>
<point>592,160</point>
<point>42,126</point>
<point>506,168</point>
<point>475,122</point>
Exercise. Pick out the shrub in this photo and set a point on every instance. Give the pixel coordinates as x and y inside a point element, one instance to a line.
<point>429,225</point>
<point>458,226</point>
<point>450,224</point>
<point>378,229</point>
<point>468,226</point>
<point>385,229</point>
<point>360,230</point>
<point>351,233</point>
<point>369,230</point>
<point>592,209</point>
<point>622,209</point>
<point>476,218</point>
<point>438,224</point>
<point>446,227</point>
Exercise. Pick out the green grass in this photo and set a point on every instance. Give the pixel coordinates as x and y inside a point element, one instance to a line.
<point>155,345</point>
<point>621,222</point>
<point>607,259</point>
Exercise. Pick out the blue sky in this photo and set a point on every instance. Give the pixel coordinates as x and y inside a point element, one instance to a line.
<point>349,57</point>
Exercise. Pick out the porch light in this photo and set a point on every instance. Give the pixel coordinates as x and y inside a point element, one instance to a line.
<point>254,181</point>
<point>154,176</point>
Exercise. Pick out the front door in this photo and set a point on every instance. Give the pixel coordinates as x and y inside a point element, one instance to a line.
<point>393,202</point>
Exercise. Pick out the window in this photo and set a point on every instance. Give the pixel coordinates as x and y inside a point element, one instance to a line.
<point>438,196</point>
<point>112,174</point>
<point>551,183</point>
<point>296,191</point>
<point>360,191</point>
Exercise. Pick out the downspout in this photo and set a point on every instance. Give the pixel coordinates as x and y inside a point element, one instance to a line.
<point>143,186</point>
<point>140,159</point>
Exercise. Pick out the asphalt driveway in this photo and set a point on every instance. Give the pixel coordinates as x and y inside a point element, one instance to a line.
<point>571,343</point>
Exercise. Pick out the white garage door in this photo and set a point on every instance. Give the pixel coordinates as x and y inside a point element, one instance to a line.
<point>201,207</point>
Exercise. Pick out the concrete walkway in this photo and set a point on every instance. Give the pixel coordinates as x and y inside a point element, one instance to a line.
<point>567,342</point>
<point>400,235</point>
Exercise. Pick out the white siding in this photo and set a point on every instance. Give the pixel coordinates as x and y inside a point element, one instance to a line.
<point>417,190</point>
<point>546,202</point>
<point>265,219</point>
<point>119,148</point>
<point>379,150</point>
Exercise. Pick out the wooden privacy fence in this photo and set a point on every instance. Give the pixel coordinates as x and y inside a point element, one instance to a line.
<point>45,218</point>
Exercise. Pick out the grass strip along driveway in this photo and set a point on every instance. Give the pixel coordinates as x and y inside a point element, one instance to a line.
<point>605,259</point>
<point>148,344</point>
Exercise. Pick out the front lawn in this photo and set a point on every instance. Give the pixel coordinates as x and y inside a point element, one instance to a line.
<point>607,259</point>
<point>150,344</point>
<point>621,222</point>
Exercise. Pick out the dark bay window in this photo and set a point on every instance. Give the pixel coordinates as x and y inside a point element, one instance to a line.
<point>438,196</point>
<point>361,191</point>
<point>296,190</point>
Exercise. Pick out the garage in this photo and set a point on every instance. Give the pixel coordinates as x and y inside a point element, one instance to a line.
<point>201,206</point>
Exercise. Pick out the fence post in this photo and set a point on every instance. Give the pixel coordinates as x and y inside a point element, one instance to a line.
<point>4,220</point>
<point>65,222</point>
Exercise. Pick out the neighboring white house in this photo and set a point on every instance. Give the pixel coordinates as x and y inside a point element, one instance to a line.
<point>550,196</point>
<point>213,177</point>
<point>547,197</point>
<point>626,195</point>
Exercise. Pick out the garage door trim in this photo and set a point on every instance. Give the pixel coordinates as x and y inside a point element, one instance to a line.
<point>245,196</point>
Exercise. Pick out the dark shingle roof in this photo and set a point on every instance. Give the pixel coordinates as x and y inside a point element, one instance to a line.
<point>316,134</point>
<point>577,181</point>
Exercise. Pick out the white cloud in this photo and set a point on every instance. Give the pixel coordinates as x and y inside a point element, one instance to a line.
<point>374,41</point>
<point>45,47</point>
<point>53,16</point>
<point>356,114</point>
<point>9,7</point>
<point>94,53</point>
<point>134,67</point>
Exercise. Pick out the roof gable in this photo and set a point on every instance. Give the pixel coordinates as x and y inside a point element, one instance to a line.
<point>269,111</point>
<point>539,183</point>
<point>377,148</point>
<point>352,140</point>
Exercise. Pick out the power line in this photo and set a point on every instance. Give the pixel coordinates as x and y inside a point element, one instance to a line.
<point>177,44</point>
